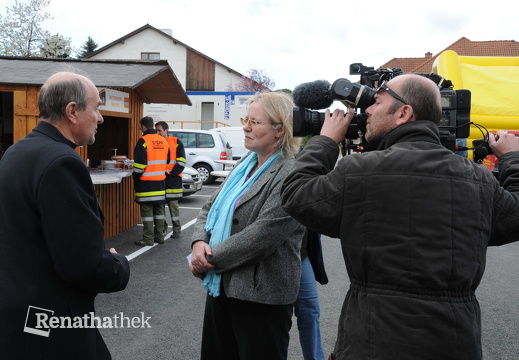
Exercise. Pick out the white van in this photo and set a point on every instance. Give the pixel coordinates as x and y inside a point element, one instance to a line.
<point>202,149</point>
<point>236,137</point>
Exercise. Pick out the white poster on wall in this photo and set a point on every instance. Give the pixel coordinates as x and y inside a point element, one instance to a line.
<point>113,100</point>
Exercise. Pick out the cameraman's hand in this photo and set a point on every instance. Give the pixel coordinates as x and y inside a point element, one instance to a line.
<point>503,142</point>
<point>336,124</point>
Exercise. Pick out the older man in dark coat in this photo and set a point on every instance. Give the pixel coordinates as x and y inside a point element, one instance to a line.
<point>52,257</point>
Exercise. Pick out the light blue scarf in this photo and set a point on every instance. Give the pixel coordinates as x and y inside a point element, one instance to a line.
<point>219,218</point>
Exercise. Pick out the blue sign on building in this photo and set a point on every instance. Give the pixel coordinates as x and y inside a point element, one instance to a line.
<point>229,99</point>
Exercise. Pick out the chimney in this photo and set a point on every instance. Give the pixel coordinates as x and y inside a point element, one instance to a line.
<point>428,55</point>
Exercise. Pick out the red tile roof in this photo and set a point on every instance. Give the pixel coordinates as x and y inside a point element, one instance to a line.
<point>463,47</point>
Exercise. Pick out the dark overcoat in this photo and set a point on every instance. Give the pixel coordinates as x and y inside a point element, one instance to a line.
<point>52,250</point>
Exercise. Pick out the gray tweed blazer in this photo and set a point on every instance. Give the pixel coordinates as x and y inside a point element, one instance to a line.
<point>260,261</point>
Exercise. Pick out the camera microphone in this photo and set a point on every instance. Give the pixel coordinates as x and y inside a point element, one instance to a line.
<point>313,95</point>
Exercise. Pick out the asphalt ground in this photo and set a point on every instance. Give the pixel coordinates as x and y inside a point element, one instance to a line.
<point>166,302</point>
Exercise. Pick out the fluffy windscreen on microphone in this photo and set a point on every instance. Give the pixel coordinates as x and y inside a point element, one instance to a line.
<point>313,95</point>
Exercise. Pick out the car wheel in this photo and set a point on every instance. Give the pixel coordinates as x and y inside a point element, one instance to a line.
<point>205,173</point>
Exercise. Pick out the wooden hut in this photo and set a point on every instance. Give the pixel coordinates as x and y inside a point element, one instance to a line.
<point>125,84</point>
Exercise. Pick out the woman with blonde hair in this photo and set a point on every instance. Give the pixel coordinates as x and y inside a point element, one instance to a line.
<point>246,248</point>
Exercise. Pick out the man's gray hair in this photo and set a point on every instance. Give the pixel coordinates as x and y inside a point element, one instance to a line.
<point>55,96</point>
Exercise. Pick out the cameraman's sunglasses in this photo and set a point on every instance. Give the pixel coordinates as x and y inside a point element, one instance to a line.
<point>384,86</point>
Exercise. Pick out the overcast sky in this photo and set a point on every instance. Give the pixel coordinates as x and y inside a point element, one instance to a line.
<point>293,41</point>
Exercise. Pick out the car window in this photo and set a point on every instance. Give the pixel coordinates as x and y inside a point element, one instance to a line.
<point>188,139</point>
<point>205,141</point>
<point>225,141</point>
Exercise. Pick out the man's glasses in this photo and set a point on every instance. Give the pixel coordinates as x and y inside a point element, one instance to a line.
<point>252,123</point>
<point>384,86</point>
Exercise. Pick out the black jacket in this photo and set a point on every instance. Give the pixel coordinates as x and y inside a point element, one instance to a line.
<point>52,253</point>
<point>414,221</point>
<point>311,248</point>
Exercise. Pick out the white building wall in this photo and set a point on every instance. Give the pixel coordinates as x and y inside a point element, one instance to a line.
<point>228,107</point>
<point>151,42</point>
<point>224,78</point>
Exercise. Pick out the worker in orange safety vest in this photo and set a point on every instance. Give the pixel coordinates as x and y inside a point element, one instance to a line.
<point>151,158</point>
<point>177,162</point>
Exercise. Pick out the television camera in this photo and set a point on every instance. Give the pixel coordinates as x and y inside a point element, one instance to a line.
<point>320,94</point>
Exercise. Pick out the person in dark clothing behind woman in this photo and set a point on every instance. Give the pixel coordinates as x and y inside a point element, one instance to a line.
<point>307,308</point>
<point>246,247</point>
<point>52,248</point>
<point>414,220</point>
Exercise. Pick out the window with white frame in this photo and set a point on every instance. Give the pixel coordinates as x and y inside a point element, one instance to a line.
<point>150,56</point>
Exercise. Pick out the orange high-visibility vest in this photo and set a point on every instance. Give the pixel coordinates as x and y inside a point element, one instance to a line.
<point>157,158</point>
<point>172,142</point>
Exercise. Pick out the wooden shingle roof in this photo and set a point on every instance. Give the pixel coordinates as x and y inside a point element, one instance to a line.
<point>154,81</point>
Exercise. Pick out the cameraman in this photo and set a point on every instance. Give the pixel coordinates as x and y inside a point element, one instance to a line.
<point>413,253</point>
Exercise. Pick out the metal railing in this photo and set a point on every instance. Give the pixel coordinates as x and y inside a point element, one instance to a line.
<point>196,125</point>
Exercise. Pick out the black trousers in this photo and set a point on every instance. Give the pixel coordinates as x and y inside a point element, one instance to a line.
<point>243,330</point>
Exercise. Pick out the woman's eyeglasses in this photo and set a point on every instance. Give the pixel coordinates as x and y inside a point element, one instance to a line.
<point>252,123</point>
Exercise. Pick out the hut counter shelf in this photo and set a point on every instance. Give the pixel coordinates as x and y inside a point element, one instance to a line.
<point>108,176</point>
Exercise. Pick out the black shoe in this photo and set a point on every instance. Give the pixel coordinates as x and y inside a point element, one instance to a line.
<point>142,243</point>
<point>159,242</point>
<point>175,235</point>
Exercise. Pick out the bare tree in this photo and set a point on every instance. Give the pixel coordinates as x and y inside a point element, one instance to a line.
<point>21,33</point>
<point>256,80</point>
